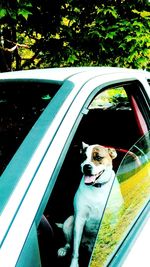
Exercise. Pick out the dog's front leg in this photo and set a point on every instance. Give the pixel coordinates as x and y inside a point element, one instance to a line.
<point>77,235</point>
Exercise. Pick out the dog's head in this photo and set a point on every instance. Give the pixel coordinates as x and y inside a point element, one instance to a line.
<point>96,159</point>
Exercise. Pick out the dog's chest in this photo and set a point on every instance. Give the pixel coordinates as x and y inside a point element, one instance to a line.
<point>91,199</point>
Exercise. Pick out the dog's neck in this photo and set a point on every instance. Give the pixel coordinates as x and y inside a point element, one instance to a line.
<point>104,178</point>
<point>98,185</point>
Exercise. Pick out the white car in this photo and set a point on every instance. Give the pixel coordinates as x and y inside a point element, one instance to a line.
<point>45,115</point>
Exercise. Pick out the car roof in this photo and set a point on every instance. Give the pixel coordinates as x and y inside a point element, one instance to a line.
<point>61,74</point>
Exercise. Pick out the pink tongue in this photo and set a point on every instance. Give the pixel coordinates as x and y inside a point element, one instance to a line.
<point>89,179</point>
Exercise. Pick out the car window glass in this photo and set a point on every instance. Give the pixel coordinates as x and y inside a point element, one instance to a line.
<point>21,103</point>
<point>124,206</point>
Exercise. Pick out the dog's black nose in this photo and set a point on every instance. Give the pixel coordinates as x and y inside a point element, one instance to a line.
<point>87,169</point>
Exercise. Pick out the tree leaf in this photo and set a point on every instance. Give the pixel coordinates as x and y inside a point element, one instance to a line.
<point>111,35</point>
<point>25,13</point>
<point>72,59</point>
<point>3,13</point>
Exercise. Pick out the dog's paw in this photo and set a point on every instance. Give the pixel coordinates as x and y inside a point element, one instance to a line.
<point>62,252</point>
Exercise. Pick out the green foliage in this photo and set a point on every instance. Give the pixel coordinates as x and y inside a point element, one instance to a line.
<point>2,13</point>
<point>25,13</point>
<point>74,33</point>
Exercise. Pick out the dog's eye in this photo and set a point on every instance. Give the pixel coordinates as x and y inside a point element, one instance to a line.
<point>98,157</point>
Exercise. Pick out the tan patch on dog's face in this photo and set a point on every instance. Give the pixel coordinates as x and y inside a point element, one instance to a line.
<point>101,155</point>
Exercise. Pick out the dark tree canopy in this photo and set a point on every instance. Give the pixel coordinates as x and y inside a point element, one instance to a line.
<point>49,33</point>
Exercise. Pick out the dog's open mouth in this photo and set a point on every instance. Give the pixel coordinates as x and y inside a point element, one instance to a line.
<point>90,179</point>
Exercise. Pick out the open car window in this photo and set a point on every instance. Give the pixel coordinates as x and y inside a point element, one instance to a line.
<point>125,206</point>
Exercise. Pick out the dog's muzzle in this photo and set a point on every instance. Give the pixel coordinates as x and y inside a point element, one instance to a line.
<point>89,178</point>
<point>87,169</point>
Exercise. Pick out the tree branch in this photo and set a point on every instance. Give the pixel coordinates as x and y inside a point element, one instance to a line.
<point>16,45</point>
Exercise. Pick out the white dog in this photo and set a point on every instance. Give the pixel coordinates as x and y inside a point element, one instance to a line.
<point>90,199</point>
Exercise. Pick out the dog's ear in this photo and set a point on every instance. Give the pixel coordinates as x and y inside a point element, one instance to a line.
<point>112,152</point>
<point>84,145</point>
